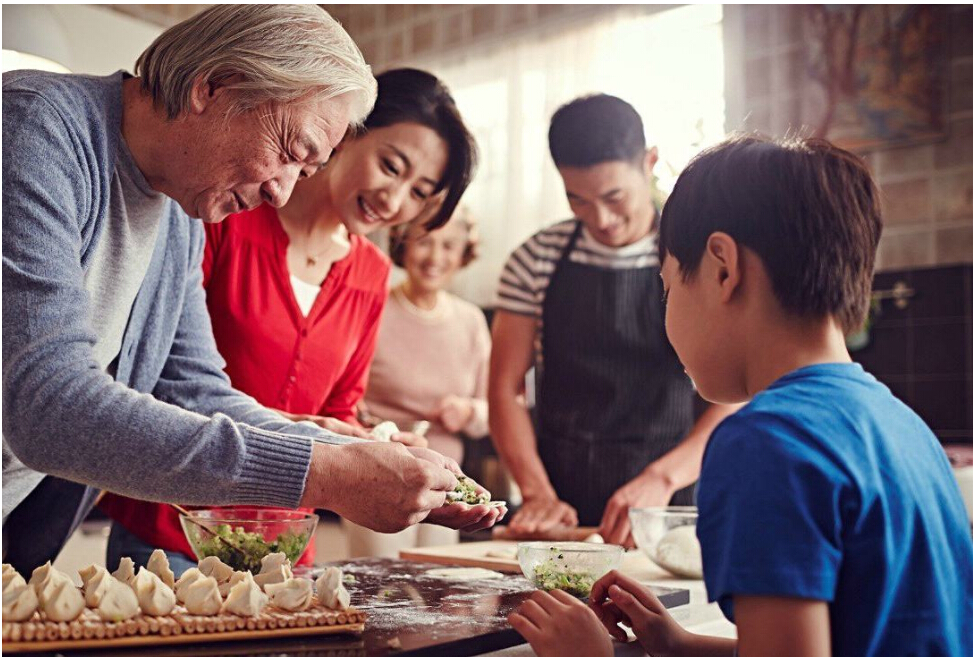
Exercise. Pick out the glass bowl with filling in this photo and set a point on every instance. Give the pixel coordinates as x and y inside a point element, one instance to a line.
<point>241,536</point>
<point>570,566</point>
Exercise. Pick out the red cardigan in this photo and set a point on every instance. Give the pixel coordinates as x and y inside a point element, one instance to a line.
<point>316,364</point>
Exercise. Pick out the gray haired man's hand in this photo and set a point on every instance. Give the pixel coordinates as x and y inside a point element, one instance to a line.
<point>381,486</point>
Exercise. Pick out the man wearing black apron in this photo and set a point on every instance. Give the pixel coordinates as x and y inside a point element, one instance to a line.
<point>582,301</point>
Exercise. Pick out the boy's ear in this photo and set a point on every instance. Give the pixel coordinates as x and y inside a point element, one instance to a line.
<point>724,255</point>
<point>648,164</point>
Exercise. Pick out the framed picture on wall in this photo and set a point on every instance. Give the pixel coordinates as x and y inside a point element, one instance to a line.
<point>879,74</point>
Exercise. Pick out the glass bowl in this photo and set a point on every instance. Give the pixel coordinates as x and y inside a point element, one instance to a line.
<point>241,536</point>
<point>569,566</point>
<point>667,536</point>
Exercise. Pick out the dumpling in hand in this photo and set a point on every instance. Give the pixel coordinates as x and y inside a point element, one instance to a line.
<point>159,564</point>
<point>245,598</point>
<point>19,602</point>
<point>213,567</point>
<point>119,601</point>
<point>203,597</point>
<point>331,590</point>
<point>155,598</point>
<point>64,602</point>
<point>293,595</point>
<point>185,580</point>
<point>126,571</point>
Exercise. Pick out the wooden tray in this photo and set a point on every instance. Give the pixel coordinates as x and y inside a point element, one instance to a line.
<point>90,632</point>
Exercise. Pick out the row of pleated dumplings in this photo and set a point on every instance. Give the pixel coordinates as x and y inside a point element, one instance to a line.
<point>211,588</point>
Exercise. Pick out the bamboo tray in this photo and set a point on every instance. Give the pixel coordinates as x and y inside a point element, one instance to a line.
<point>90,632</point>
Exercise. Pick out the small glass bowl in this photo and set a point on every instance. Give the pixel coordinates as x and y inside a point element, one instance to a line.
<point>570,566</point>
<point>247,534</point>
<point>667,536</point>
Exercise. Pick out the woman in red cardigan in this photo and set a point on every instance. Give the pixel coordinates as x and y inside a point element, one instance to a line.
<point>295,294</point>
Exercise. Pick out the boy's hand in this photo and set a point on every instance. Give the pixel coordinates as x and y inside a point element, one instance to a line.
<point>552,621</point>
<point>619,600</point>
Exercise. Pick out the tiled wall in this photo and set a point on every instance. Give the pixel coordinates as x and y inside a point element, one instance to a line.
<point>924,352</point>
<point>927,189</point>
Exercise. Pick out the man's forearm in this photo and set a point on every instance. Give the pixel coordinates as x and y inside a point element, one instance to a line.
<point>680,466</point>
<point>513,435</point>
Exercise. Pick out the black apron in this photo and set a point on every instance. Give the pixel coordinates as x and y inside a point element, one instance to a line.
<point>612,395</point>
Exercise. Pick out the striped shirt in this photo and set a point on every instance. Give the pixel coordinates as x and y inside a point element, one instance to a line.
<point>528,271</point>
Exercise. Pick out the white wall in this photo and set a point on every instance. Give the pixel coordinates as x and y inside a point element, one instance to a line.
<point>84,38</point>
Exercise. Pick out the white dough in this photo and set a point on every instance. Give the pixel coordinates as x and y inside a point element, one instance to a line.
<point>119,601</point>
<point>87,573</point>
<point>383,432</point>
<point>155,598</point>
<point>331,589</point>
<point>245,598</point>
<point>281,573</point>
<point>95,586</point>
<point>64,602</point>
<point>19,602</point>
<point>203,597</point>
<point>46,588</point>
<point>159,564</point>
<point>293,595</point>
<point>679,552</point>
<point>125,572</point>
<point>463,574</point>
<point>213,567</point>
<point>503,553</point>
<point>13,580</point>
<point>237,577</point>
<point>185,580</point>
<point>40,576</point>
<point>595,538</point>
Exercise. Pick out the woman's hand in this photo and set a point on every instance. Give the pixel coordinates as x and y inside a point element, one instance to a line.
<point>455,413</point>
<point>331,424</point>
<point>553,622</point>
<point>542,514</point>
<point>647,489</point>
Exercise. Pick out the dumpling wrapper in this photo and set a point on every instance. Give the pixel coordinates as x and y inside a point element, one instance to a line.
<point>96,586</point>
<point>213,567</point>
<point>203,597</point>
<point>245,598</point>
<point>237,577</point>
<point>280,574</point>
<point>331,589</point>
<point>155,598</point>
<point>118,602</point>
<point>185,581</point>
<point>272,561</point>
<point>13,580</point>
<point>159,564</point>
<point>293,595</point>
<point>126,571</point>
<point>63,603</point>
<point>384,431</point>
<point>47,588</point>
<point>19,602</point>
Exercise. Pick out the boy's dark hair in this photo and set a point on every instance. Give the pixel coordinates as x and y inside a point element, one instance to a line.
<point>411,95</point>
<point>809,210</point>
<point>594,129</point>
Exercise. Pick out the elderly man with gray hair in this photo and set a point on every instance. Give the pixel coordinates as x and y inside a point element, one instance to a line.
<point>111,378</point>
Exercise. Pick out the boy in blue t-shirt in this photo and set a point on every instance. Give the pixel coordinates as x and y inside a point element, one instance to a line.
<point>829,519</point>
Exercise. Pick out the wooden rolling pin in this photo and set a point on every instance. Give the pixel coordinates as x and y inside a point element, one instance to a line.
<point>504,533</point>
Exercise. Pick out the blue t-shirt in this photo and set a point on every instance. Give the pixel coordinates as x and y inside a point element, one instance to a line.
<point>827,487</point>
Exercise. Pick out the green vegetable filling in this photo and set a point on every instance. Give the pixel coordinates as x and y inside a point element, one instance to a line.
<point>555,574</point>
<point>252,547</point>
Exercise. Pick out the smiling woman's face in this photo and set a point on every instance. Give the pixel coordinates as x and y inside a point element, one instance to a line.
<point>387,176</point>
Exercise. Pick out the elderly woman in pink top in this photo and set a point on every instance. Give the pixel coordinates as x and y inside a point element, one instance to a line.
<point>431,361</point>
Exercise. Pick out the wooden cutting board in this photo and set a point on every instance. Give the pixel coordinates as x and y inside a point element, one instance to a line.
<point>479,554</point>
<point>505,533</point>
